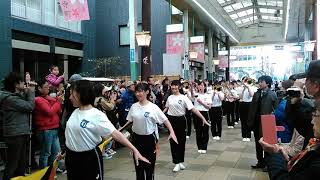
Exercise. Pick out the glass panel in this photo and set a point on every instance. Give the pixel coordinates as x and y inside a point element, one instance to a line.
<point>265,17</point>
<point>221,1</point>
<point>60,19</point>
<point>18,8</point>
<point>228,8</point>
<point>242,13</point>
<point>238,22</point>
<point>262,2</point>
<point>245,20</point>
<point>234,16</point>
<point>250,11</point>
<point>237,6</point>
<point>246,3</point>
<point>34,10</point>
<point>263,10</point>
<point>49,16</point>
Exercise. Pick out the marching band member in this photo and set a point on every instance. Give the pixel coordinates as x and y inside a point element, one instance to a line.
<point>231,96</point>
<point>145,115</point>
<point>176,106</point>
<point>202,103</point>
<point>246,99</point>
<point>216,112</point>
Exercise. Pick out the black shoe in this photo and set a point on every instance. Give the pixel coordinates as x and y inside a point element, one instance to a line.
<point>258,166</point>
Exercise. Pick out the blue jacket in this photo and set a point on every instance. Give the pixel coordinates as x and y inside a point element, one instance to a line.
<point>281,120</point>
<point>128,98</point>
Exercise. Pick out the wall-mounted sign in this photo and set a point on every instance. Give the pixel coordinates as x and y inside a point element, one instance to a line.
<point>197,39</point>
<point>174,28</point>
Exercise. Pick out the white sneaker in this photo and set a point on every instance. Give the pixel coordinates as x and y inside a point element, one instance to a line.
<point>248,139</point>
<point>204,151</point>
<point>182,167</point>
<point>244,139</point>
<point>176,168</point>
<point>231,127</point>
<point>236,123</point>
<point>200,151</point>
<point>188,137</point>
<point>214,138</point>
<point>218,138</point>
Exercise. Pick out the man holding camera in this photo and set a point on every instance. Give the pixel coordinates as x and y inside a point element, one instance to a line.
<point>17,101</point>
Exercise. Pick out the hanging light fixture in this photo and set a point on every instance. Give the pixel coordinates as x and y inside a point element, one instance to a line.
<point>143,38</point>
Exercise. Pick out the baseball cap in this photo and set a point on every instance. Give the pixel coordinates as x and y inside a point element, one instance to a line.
<point>75,77</point>
<point>312,72</point>
<point>129,83</point>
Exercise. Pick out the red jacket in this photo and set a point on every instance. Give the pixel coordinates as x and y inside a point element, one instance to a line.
<point>46,113</point>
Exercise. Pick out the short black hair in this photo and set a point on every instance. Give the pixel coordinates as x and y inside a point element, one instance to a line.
<point>11,80</point>
<point>176,83</point>
<point>142,87</point>
<point>85,90</point>
<point>204,84</point>
<point>98,87</point>
<point>53,66</point>
<point>266,79</point>
<point>40,84</point>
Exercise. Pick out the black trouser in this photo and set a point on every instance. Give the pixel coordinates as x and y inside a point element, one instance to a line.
<point>84,165</point>
<point>16,156</point>
<point>236,110</point>
<point>202,132</point>
<point>259,150</point>
<point>244,113</point>
<point>178,124</point>
<point>146,145</point>
<point>216,121</point>
<point>188,117</point>
<point>230,112</point>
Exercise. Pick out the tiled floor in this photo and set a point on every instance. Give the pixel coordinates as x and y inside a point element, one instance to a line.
<point>227,159</point>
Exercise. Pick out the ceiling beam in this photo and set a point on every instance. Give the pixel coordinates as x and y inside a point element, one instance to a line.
<point>230,3</point>
<point>257,10</point>
<point>251,15</point>
<point>259,6</point>
<point>270,21</point>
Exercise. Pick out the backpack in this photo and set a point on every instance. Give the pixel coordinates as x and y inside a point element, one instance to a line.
<point>1,116</point>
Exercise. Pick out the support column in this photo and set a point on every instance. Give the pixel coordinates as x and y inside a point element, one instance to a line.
<point>215,52</point>
<point>210,55</point>
<point>228,49</point>
<point>146,51</point>
<point>186,44</point>
<point>316,27</point>
<point>65,67</point>
<point>133,44</point>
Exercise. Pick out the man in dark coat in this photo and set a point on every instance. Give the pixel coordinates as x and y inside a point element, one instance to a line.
<point>264,102</point>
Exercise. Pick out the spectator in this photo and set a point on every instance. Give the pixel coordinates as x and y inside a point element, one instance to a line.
<point>264,102</point>
<point>126,100</point>
<point>46,121</point>
<point>19,103</point>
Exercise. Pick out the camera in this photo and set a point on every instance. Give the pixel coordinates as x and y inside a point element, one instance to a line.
<point>293,92</point>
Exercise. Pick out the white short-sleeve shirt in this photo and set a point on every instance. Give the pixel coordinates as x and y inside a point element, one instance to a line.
<point>206,98</point>
<point>85,129</point>
<point>216,102</point>
<point>177,105</point>
<point>246,95</point>
<point>145,118</point>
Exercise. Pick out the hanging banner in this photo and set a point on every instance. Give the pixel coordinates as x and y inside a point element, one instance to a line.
<point>175,43</point>
<point>199,49</point>
<point>223,61</point>
<point>75,10</point>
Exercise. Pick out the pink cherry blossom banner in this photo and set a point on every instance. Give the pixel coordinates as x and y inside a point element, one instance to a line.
<point>75,10</point>
<point>175,43</point>
<point>199,48</point>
